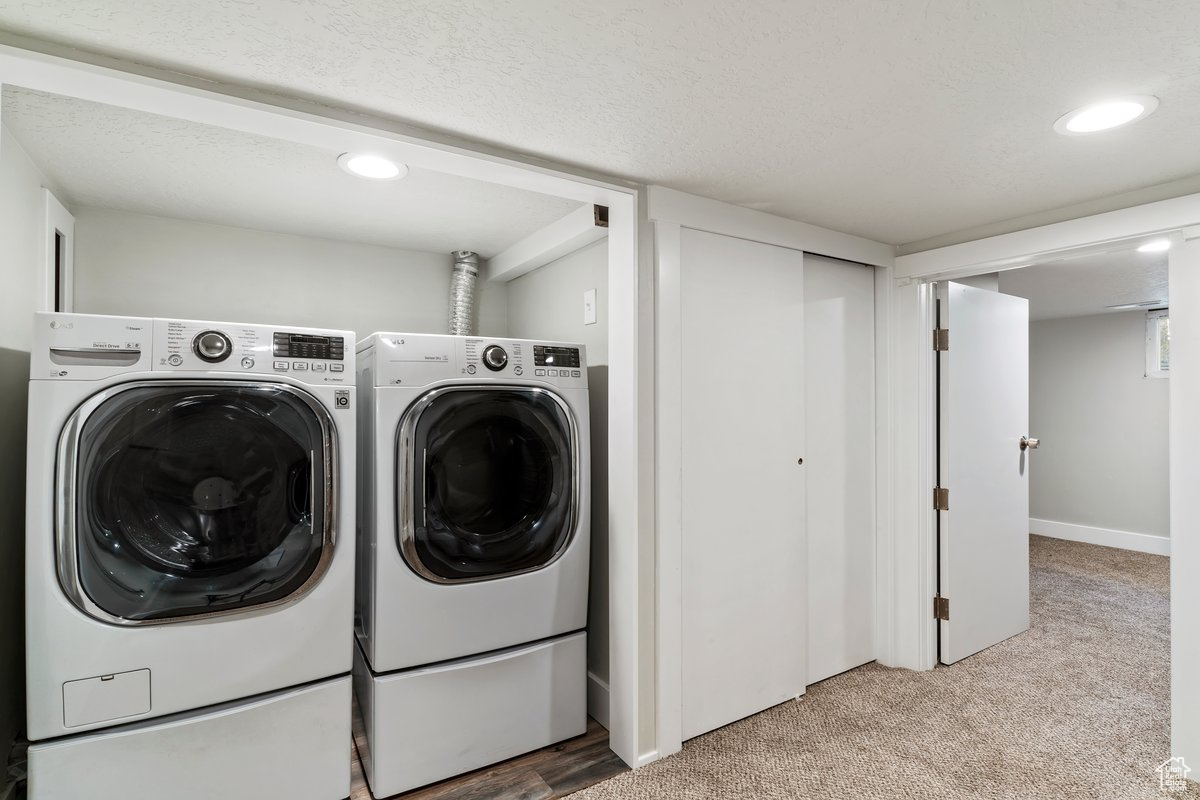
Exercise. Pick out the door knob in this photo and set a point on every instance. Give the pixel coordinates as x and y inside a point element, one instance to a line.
<point>1029,444</point>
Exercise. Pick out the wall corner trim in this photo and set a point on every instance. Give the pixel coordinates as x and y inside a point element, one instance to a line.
<point>597,699</point>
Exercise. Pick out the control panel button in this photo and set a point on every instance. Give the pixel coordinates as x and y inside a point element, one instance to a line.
<point>175,360</point>
<point>337,367</point>
<point>553,373</point>
<point>574,373</point>
<point>281,365</point>
<point>247,363</point>
<point>494,357</point>
<point>541,373</point>
<point>318,367</point>
<point>299,366</point>
<point>518,371</point>
<point>212,346</point>
<point>470,369</point>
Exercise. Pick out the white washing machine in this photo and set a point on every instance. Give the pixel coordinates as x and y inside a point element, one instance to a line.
<point>189,559</point>
<point>474,487</point>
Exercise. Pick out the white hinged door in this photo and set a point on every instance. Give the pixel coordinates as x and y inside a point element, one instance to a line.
<point>983,535</point>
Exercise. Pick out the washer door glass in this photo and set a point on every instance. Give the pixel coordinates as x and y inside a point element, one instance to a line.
<point>493,483</point>
<point>200,498</point>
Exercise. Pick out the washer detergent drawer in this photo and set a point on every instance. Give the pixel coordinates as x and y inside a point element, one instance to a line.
<point>106,697</point>
<point>431,723</point>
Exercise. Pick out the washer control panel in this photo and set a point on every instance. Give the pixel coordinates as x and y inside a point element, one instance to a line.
<point>307,355</point>
<point>90,347</point>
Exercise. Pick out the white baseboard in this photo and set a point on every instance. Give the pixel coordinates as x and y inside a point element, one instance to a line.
<point>1126,540</point>
<point>597,699</point>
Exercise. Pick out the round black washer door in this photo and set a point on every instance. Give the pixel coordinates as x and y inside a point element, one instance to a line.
<point>493,491</point>
<point>199,499</point>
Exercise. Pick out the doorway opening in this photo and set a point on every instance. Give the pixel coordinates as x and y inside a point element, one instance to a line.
<point>1080,342</point>
<point>1052,399</point>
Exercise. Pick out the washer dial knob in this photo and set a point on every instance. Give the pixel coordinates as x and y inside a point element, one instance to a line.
<point>494,357</point>
<point>212,346</point>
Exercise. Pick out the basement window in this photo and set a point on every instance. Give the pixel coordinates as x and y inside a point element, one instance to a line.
<point>1158,343</point>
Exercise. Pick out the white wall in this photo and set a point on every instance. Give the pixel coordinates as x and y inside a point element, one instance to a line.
<point>1185,500</point>
<point>989,281</point>
<point>548,304</point>
<point>20,222</point>
<point>154,266</point>
<point>1103,460</point>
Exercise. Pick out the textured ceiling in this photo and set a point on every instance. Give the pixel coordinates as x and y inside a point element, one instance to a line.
<point>101,155</point>
<point>898,121</point>
<point>1076,287</point>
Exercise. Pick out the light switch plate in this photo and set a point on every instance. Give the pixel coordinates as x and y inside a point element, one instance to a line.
<point>589,307</point>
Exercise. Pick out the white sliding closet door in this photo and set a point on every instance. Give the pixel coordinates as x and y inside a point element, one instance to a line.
<point>744,548</point>
<point>839,465</point>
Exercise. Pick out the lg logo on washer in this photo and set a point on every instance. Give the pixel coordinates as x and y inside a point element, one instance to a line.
<point>341,398</point>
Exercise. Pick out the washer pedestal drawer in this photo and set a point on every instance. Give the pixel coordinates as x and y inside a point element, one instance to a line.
<point>431,723</point>
<point>293,743</point>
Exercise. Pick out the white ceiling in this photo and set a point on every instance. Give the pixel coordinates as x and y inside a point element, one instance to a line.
<point>899,121</point>
<point>101,155</point>
<point>1083,285</point>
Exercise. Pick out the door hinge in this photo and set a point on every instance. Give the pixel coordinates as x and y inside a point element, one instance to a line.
<point>941,607</point>
<point>941,498</point>
<point>941,339</point>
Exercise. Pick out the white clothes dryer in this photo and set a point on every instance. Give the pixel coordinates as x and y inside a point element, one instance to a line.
<point>471,597</point>
<point>189,559</point>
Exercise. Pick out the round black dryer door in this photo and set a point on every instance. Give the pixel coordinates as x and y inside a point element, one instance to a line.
<point>488,481</point>
<point>199,498</point>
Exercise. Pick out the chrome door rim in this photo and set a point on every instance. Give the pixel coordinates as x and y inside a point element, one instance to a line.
<point>406,465</point>
<point>67,479</point>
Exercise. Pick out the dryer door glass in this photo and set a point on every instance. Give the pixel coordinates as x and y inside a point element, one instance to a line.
<point>493,488</point>
<point>200,498</point>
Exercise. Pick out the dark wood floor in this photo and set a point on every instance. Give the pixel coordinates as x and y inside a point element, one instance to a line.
<point>551,772</point>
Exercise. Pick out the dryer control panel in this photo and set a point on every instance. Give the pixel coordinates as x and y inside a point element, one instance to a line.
<point>420,359</point>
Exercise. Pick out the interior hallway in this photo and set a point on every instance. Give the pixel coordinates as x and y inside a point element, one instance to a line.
<point>1076,707</point>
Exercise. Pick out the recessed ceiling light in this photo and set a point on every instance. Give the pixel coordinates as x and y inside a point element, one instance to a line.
<point>1155,246</point>
<point>366,165</point>
<point>1109,114</point>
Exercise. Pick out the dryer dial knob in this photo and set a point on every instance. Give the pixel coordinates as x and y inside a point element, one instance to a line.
<point>212,346</point>
<point>494,357</point>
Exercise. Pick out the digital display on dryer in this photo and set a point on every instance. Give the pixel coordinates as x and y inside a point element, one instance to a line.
<point>303,345</point>
<point>544,356</point>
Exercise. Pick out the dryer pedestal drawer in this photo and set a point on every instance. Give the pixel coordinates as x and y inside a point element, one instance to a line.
<point>431,723</point>
<point>293,744</point>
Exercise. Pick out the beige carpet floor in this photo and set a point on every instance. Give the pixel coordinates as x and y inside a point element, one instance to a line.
<point>1077,707</point>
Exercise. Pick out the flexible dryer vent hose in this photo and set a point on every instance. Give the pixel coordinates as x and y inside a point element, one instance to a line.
<point>462,292</point>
